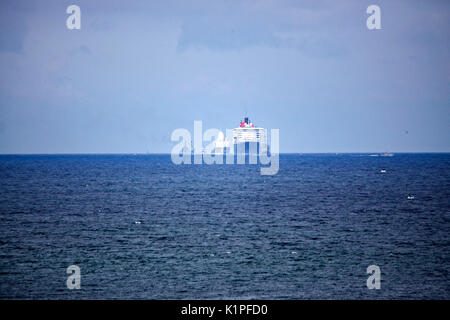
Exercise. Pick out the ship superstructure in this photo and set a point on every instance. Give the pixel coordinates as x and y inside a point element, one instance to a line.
<point>248,132</point>
<point>248,138</point>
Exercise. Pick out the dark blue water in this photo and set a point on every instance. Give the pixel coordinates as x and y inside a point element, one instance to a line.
<point>224,231</point>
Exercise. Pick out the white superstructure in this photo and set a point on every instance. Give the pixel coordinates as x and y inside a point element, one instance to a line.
<point>247,132</point>
<point>247,138</point>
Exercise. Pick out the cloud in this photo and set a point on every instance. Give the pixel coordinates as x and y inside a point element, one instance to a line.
<point>13,31</point>
<point>80,50</point>
<point>236,25</point>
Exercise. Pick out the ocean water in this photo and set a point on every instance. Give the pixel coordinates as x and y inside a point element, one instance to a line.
<point>140,227</point>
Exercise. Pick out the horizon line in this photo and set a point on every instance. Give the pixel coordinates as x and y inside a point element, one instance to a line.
<point>167,153</point>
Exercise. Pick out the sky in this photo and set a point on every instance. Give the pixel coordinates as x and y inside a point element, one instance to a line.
<point>138,70</point>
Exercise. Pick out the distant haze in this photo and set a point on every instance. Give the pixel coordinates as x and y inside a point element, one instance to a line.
<point>137,70</point>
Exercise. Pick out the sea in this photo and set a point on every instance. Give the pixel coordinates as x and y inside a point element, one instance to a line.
<point>141,227</point>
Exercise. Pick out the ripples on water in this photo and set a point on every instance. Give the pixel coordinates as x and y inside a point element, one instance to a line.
<point>140,227</point>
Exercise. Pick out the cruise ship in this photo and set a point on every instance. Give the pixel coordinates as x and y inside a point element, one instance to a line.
<point>247,139</point>
<point>247,132</point>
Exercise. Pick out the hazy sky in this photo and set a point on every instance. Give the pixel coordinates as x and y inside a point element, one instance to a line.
<point>137,70</point>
